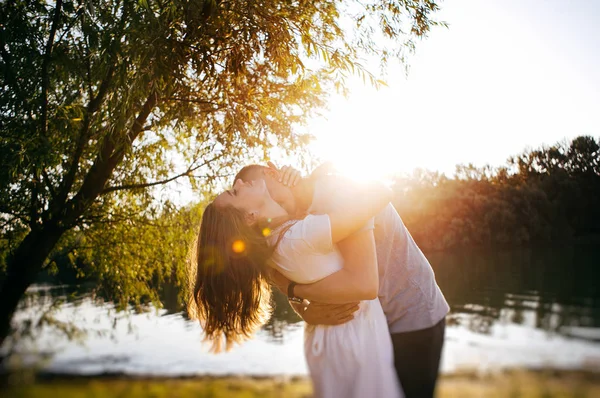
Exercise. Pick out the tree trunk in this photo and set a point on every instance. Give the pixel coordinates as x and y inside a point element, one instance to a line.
<point>22,270</point>
<point>29,257</point>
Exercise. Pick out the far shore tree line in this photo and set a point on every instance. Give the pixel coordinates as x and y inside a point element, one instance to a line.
<point>545,195</point>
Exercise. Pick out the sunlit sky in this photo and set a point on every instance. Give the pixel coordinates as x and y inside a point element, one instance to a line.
<point>505,75</point>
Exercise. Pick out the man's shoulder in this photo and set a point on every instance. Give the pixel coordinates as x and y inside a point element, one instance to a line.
<point>336,183</point>
<point>329,180</point>
<point>329,190</point>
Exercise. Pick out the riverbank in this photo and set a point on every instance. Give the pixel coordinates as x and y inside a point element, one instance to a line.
<point>514,383</point>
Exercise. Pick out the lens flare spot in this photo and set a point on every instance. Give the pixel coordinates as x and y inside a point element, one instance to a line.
<point>266,232</point>
<point>238,246</point>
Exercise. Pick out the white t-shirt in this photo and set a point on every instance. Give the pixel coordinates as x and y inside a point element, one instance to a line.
<point>409,294</point>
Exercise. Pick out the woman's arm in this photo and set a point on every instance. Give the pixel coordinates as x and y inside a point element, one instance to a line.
<point>357,280</point>
<point>351,206</point>
<point>352,212</point>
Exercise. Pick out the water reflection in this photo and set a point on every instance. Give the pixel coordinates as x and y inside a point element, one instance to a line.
<point>522,307</point>
<point>552,289</point>
<point>283,317</point>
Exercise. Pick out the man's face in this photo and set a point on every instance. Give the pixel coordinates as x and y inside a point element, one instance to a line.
<point>279,192</point>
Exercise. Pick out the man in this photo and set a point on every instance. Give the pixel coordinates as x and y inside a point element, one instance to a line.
<point>414,306</point>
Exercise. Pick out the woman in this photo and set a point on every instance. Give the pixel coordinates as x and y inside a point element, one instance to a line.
<point>243,233</point>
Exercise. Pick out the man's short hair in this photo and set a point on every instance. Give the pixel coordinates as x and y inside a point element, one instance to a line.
<point>245,173</point>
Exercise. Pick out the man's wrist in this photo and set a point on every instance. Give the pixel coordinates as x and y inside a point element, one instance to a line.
<point>290,289</point>
<point>299,290</point>
<point>291,294</point>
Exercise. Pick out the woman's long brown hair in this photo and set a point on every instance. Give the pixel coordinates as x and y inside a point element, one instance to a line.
<point>229,275</point>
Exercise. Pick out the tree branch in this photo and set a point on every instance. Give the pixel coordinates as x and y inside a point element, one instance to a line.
<point>35,188</point>
<point>92,107</point>
<point>45,64</point>
<point>9,74</point>
<point>33,208</point>
<point>143,185</point>
<point>70,24</point>
<point>208,105</point>
<point>109,157</point>
<point>188,172</point>
<point>48,183</point>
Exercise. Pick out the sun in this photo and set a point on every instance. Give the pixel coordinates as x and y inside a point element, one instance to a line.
<point>364,149</point>
<point>367,136</point>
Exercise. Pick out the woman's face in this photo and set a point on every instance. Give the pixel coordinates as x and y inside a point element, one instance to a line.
<point>247,196</point>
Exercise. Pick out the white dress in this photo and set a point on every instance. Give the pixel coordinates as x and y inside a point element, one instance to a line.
<point>350,360</point>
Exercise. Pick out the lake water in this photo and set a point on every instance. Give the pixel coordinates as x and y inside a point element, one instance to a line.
<point>510,308</point>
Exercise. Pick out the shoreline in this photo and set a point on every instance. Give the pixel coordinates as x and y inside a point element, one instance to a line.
<point>42,375</point>
<point>468,383</point>
<point>589,372</point>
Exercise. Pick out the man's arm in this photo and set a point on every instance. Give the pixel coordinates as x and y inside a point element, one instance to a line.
<point>325,314</point>
<point>358,280</point>
<point>315,313</point>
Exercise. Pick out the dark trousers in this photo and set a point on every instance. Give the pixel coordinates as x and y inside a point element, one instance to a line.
<point>417,359</point>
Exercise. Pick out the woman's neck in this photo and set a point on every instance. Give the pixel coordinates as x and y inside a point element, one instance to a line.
<point>303,194</point>
<point>273,213</point>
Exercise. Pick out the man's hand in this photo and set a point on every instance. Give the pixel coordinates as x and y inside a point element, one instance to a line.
<point>288,175</point>
<point>316,313</point>
<point>328,314</point>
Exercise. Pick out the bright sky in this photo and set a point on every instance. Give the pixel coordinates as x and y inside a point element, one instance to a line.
<point>506,75</point>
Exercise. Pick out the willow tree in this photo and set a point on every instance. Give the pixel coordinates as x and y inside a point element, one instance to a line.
<point>97,96</point>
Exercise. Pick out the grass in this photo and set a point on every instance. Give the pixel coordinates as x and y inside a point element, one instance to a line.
<point>230,387</point>
<point>513,384</point>
<point>521,384</point>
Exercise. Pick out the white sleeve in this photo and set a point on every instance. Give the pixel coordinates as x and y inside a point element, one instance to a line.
<point>306,253</point>
<point>315,231</point>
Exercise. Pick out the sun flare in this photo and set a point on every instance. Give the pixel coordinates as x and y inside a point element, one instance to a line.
<point>362,145</point>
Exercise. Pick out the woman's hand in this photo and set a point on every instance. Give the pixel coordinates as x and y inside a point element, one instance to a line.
<point>288,175</point>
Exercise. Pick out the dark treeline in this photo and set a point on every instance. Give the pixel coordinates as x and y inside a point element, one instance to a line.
<point>550,194</point>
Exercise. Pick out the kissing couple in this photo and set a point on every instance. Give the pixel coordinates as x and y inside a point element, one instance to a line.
<point>374,314</point>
